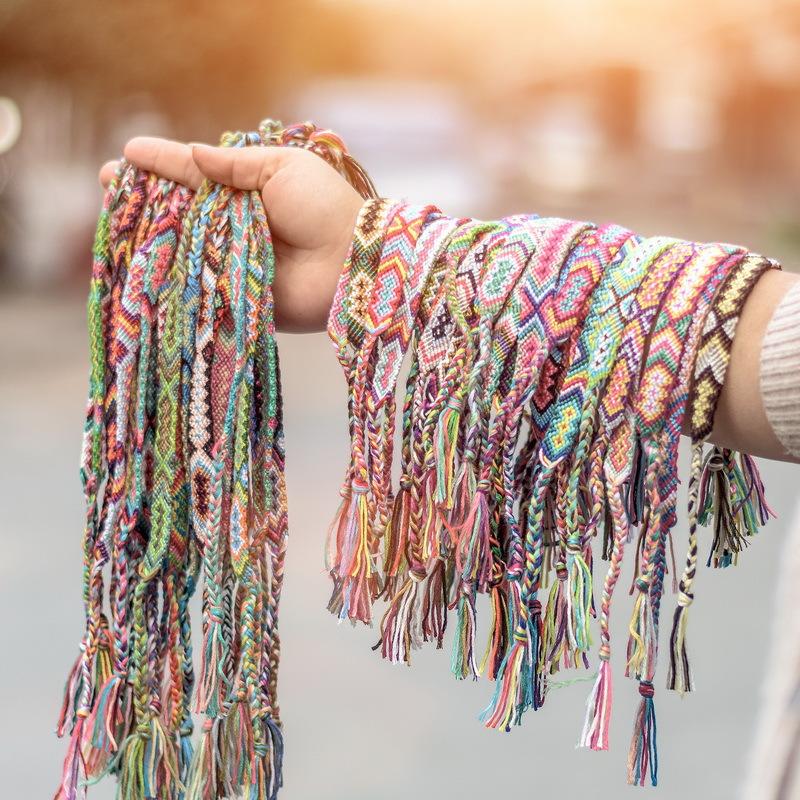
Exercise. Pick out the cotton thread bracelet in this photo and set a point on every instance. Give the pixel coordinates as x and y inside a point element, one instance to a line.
<point>609,426</point>
<point>412,615</point>
<point>182,465</point>
<point>520,330</point>
<point>667,347</point>
<point>613,454</point>
<point>529,312</point>
<point>523,331</point>
<point>710,367</point>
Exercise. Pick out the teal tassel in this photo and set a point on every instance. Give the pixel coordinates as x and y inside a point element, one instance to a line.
<point>643,755</point>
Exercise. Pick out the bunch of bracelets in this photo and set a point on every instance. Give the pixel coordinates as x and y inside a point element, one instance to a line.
<point>553,365</point>
<point>183,475</point>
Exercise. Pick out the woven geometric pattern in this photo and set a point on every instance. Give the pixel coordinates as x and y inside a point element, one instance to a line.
<point>588,334</point>
<point>182,465</point>
<point>550,366</point>
<point>713,355</point>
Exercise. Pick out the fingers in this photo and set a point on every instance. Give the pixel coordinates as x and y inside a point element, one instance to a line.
<point>107,172</point>
<point>170,160</point>
<point>243,168</point>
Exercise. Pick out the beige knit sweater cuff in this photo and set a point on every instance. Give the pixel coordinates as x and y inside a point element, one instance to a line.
<point>780,371</point>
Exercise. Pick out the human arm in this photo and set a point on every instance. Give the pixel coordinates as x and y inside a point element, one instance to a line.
<point>313,210</point>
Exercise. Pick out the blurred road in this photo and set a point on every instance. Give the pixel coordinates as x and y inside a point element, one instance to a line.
<point>356,728</point>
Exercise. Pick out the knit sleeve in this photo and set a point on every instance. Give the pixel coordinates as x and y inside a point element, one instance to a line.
<point>780,371</point>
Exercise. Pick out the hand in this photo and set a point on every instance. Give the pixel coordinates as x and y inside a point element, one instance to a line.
<point>311,209</point>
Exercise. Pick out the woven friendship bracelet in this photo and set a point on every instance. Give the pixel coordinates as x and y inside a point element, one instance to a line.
<point>455,415</point>
<point>710,367</point>
<point>551,366</point>
<point>123,201</point>
<point>669,343</point>
<point>584,376</point>
<point>587,417</point>
<point>570,597</point>
<point>517,337</point>
<point>643,752</point>
<point>442,347</point>
<point>508,258</point>
<point>392,347</point>
<point>182,464</point>
<point>588,370</point>
<point>667,478</point>
<point>354,288</point>
<point>354,530</point>
<point>93,672</point>
<point>612,455</point>
<point>481,541</point>
<point>401,276</point>
<point>521,340</point>
<point>586,469</point>
<point>584,267</point>
<point>433,288</point>
<point>714,353</point>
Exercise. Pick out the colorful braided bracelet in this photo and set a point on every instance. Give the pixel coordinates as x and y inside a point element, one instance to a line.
<point>526,435</point>
<point>182,468</point>
<point>552,364</point>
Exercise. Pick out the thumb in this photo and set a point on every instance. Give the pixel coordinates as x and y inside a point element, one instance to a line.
<point>244,168</point>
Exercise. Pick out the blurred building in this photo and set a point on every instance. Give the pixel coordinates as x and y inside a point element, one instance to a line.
<point>671,115</point>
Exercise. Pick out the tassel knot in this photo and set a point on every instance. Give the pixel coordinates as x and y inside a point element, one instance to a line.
<point>643,753</point>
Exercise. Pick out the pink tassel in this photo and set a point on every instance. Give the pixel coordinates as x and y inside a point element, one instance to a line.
<point>336,532</point>
<point>473,555</point>
<point>598,709</point>
<point>357,599</point>
<point>349,556</point>
<point>73,777</point>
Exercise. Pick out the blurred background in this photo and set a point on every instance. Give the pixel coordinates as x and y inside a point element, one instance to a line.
<point>671,117</point>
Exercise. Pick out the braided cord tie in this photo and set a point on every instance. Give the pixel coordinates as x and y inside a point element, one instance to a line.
<point>612,451</point>
<point>671,343</point>
<point>710,367</point>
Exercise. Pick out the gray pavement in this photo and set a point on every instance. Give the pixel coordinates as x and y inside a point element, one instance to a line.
<point>356,727</point>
